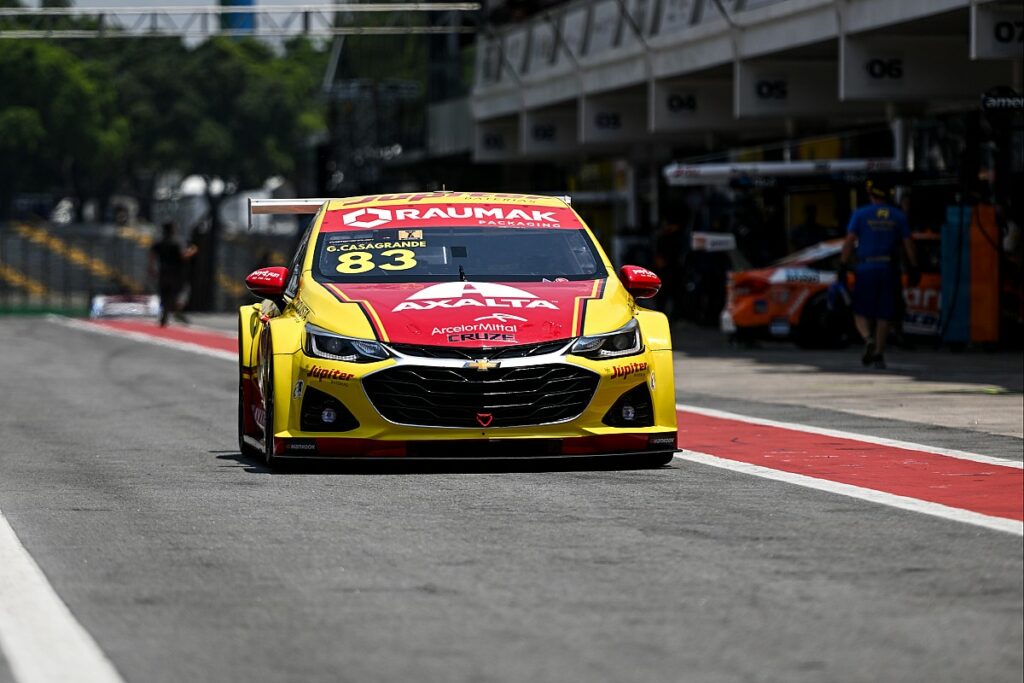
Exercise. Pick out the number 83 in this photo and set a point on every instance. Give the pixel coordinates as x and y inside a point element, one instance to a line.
<point>353,262</point>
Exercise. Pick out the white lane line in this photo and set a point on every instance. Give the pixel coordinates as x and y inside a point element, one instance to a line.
<point>40,638</point>
<point>891,500</point>
<point>145,338</point>
<point>881,441</point>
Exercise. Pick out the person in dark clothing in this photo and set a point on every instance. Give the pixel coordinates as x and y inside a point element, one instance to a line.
<point>877,232</point>
<point>167,261</point>
<point>809,232</point>
<point>669,251</point>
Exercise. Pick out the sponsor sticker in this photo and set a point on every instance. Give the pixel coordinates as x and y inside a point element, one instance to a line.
<point>407,218</point>
<point>297,389</point>
<point>474,215</point>
<point>483,336</point>
<point>327,374</point>
<point>481,294</point>
<point>658,440</point>
<point>501,317</point>
<point>478,331</point>
<point>264,275</point>
<point>623,371</point>
<point>367,218</point>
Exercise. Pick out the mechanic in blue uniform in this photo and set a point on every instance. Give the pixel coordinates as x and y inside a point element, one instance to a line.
<point>877,232</point>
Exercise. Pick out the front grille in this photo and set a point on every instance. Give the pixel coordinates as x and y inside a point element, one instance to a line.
<point>463,397</point>
<point>519,351</point>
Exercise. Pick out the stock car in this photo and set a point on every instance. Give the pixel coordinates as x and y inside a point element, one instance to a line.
<point>452,325</point>
<point>789,299</point>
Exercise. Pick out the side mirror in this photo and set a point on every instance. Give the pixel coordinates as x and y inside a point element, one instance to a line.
<point>640,282</point>
<point>268,283</point>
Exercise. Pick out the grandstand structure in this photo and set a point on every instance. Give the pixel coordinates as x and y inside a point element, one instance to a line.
<point>684,92</point>
<point>59,268</point>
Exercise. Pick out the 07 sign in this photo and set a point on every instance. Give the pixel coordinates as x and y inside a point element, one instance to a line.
<point>1008,31</point>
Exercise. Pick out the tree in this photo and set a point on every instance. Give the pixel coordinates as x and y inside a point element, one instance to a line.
<point>46,86</point>
<point>252,111</point>
<point>91,118</point>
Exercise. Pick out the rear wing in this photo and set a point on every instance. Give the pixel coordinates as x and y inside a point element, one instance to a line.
<point>283,206</point>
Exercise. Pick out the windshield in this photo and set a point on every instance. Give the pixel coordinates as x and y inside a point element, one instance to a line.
<point>453,254</point>
<point>822,250</point>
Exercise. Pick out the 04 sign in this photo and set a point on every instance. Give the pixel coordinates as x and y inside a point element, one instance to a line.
<point>885,68</point>
<point>772,89</point>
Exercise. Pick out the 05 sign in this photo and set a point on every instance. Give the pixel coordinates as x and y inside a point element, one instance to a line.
<point>608,121</point>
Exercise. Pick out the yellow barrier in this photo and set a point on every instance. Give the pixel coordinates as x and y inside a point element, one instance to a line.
<point>18,279</point>
<point>75,255</point>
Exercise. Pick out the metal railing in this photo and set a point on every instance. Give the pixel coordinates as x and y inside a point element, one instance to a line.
<point>565,35</point>
<point>206,21</point>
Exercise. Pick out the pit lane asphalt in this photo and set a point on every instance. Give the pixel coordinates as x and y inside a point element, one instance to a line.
<point>185,561</point>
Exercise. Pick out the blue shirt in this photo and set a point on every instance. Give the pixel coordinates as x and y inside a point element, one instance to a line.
<point>879,229</point>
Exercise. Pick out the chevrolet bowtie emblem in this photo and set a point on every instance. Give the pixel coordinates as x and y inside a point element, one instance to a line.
<point>481,365</point>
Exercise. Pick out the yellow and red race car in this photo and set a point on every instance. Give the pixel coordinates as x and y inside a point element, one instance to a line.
<point>452,325</point>
<point>789,299</point>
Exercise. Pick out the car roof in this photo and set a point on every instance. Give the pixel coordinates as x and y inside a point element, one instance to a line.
<point>446,197</point>
<point>812,253</point>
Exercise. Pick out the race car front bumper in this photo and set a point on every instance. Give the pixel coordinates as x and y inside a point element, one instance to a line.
<point>615,445</point>
<point>629,407</point>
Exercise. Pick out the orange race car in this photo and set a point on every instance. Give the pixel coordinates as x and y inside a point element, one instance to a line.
<point>790,298</point>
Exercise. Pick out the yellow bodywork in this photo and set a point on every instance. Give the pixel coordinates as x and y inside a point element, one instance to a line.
<point>315,304</point>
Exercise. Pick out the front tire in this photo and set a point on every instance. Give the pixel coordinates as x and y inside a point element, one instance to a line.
<point>269,458</point>
<point>244,447</point>
<point>821,327</point>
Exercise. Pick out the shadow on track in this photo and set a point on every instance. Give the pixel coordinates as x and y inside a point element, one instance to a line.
<point>405,466</point>
<point>1003,369</point>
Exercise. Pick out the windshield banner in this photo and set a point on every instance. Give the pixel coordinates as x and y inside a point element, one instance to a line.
<point>450,216</point>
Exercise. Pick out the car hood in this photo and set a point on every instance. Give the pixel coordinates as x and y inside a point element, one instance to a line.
<point>472,314</point>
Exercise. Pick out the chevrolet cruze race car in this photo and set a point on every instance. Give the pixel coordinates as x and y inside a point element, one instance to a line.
<point>452,325</point>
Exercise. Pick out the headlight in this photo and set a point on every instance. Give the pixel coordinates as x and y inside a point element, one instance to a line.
<point>624,341</point>
<point>323,344</point>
